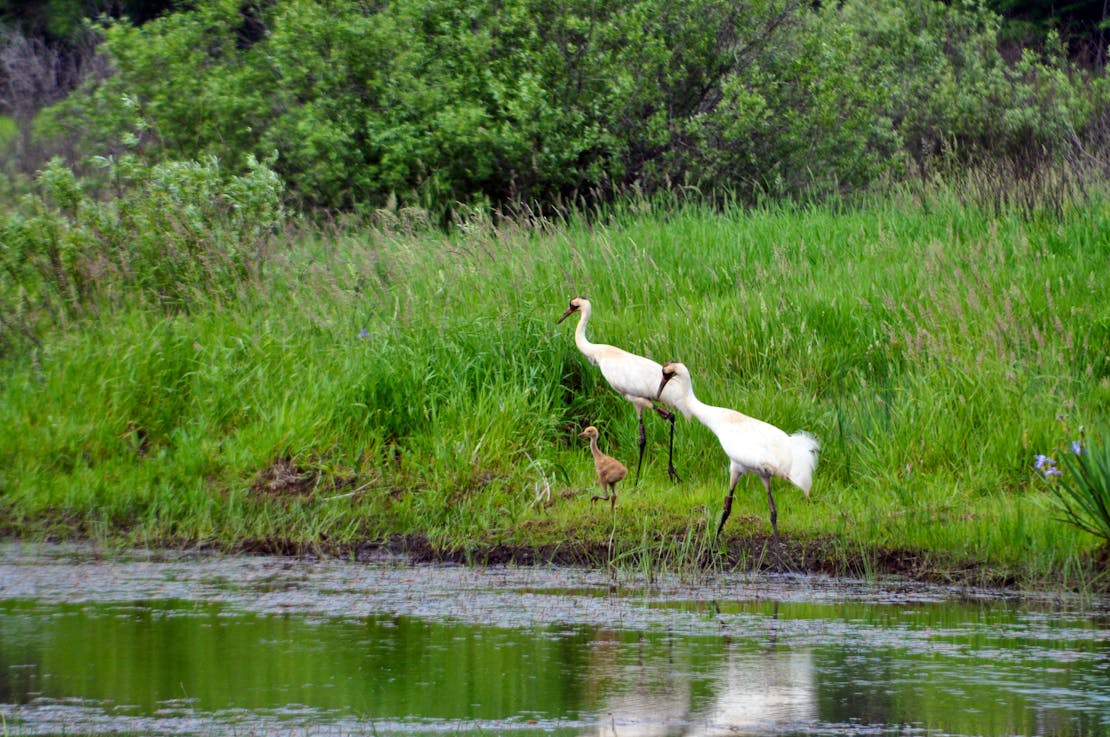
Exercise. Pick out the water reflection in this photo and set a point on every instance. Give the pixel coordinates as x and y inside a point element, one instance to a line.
<point>171,656</point>
<point>733,687</point>
<point>638,688</point>
<point>753,693</point>
<point>770,691</point>
<point>372,650</point>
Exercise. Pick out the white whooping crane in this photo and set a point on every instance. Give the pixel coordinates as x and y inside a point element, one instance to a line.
<point>634,377</point>
<point>752,446</point>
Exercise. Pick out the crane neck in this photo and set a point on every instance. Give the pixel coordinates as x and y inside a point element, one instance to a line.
<point>690,406</point>
<point>580,338</point>
<point>594,449</point>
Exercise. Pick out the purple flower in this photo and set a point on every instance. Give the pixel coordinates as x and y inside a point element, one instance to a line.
<point>363,334</point>
<point>1046,465</point>
<point>1076,447</point>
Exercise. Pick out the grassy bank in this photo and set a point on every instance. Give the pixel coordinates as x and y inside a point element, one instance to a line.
<point>386,383</point>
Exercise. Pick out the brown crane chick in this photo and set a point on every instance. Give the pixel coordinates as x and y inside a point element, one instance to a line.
<point>609,469</point>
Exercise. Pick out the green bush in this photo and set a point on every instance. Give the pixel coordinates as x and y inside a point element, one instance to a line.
<point>826,130</point>
<point>962,99</point>
<point>432,103</point>
<point>173,230</point>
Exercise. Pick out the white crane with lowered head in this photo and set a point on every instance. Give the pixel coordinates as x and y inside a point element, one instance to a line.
<point>635,378</point>
<point>752,446</point>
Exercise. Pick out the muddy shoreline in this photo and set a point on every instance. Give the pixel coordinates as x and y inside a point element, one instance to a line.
<point>750,554</point>
<point>741,554</point>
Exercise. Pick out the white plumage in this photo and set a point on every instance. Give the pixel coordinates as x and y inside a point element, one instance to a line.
<point>752,446</point>
<point>634,377</point>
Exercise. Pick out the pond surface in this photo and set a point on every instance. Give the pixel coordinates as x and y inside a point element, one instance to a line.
<point>212,645</point>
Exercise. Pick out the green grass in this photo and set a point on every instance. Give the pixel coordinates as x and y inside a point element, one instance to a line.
<point>381,382</point>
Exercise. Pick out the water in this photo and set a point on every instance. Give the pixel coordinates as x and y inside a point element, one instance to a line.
<point>212,645</point>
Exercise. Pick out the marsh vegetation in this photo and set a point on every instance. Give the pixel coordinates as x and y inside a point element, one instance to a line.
<point>260,290</point>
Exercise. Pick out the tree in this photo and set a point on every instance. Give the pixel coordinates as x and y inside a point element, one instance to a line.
<point>1082,24</point>
<point>34,75</point>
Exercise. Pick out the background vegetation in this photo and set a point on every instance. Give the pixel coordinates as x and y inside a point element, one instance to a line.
<point>432,103</point>
<point>372,382</point>
<point>285,275</point>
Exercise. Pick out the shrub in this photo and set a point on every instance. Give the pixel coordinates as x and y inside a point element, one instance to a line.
<point>826,130</point>
<point>171,231</point>
<point>432,103</point>
<point>960,101</point>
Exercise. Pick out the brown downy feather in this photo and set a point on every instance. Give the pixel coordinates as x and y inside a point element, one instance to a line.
<point>609,469</point>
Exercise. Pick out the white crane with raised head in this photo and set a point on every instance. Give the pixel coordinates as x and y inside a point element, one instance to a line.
<point>633,377</point>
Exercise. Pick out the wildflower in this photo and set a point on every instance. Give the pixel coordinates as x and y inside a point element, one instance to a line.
<point>1076,447</point>
<point>363,334</point>
<point>1046,465</point>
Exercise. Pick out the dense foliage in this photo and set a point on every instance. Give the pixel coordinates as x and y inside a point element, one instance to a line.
<point>436,102</point>
<point>174,232</point>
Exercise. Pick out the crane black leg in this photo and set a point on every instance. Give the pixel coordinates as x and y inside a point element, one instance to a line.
<point>726,513</point>
<point>669,417</point>
<point>771,501</point>
<point>643,442</point>
<point>670,451</point>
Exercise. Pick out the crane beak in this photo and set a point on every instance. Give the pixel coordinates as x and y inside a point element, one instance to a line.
<point>570,311</point>
<point>663,383</point>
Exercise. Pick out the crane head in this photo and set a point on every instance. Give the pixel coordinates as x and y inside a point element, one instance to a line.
<point>575,305</point>
<point>589,432</point>
<point>671,369</point>
<point>668,374</point>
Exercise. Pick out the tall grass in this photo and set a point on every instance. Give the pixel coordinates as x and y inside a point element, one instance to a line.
<point>381,381</point>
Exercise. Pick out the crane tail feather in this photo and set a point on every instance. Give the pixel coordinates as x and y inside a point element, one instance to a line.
<point>803,455</point>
